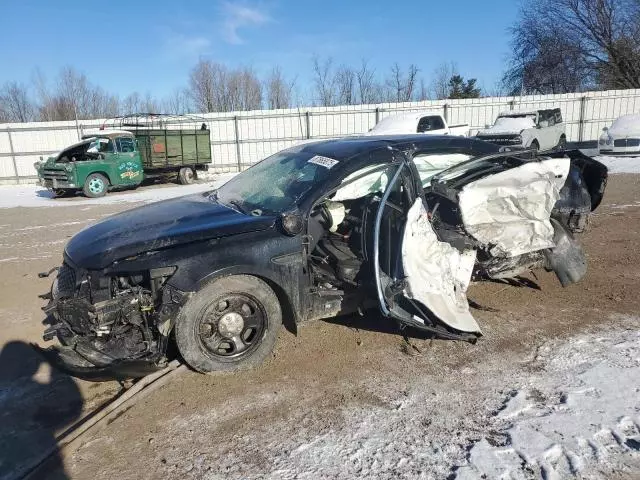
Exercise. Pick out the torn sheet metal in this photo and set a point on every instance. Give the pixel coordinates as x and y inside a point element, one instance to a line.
<point>510,211</point>
<point>437,274</point>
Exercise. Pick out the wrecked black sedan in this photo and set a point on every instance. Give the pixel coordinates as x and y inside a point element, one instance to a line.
<point>402,224</point>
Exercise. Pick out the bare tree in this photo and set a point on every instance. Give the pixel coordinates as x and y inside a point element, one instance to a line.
<point>412,75</point>
<point>202,85</point>
<point>245,90</point>
<point>177,103</point>
<point>423,92</point>
<point>215,88</point>
<point>278,90</point>
<point>132,103</point>
<point>365,78</point>
<point>568,45</point>
<point>73,97</point>
<point>395,82</point>
<point>324,81</point>
<point>402,85</point>
<point>15,105</point>
<point>439,86</point>
<point>345,82</point>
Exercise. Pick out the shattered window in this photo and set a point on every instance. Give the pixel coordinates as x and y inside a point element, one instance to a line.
<point>276,183</point>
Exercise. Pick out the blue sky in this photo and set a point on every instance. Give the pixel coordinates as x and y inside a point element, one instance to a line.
<point>149,46</point>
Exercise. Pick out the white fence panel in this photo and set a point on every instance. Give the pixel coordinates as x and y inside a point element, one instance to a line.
<point>240,139</point>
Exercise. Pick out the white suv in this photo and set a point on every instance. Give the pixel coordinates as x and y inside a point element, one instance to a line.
<point>537,129</point>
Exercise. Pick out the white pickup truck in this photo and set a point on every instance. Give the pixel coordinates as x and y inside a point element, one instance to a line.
<point>428,123</point>
<point>538,129</point>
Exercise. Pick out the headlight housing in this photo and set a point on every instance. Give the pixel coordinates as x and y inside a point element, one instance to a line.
<point>68,168</point>
<point>291,223</point>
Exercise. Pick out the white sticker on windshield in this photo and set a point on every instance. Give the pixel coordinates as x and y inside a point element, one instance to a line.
<point>324,161</point>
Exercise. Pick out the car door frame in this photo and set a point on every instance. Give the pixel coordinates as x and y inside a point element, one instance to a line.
<point>429,323</point>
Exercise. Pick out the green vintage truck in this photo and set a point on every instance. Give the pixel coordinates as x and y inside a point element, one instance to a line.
<point>109,159</point>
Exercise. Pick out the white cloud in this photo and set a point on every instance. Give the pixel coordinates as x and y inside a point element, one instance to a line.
<point>181,46</point>
<point>240,15</point>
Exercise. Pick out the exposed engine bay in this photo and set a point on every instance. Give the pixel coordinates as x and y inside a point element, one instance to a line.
<point>108,319</point>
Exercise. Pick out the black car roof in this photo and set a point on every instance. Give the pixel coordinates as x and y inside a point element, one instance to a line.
<point>348,147</point>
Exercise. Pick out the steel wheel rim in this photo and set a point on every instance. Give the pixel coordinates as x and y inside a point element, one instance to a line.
<point>188,175</point>
<point>221,333</point>
<point>96,185</point>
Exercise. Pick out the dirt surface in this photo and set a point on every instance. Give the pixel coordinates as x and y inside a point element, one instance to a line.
<point>265,422</point>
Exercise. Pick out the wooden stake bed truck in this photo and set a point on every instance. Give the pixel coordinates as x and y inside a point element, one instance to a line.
<point>109,159</point>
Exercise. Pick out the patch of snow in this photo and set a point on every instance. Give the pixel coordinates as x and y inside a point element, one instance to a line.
<point>12,196</point>
<point>620,164</point>
<point>571,412</point>
<point>625,126</point>
<point>579,418</point>
<point>509,125</point>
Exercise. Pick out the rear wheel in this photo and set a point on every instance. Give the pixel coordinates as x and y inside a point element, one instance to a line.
<point>562,143</point>
<point>535,146</point>
<point>95,185</point>
<point>186,176</point>
<point>231,324</point>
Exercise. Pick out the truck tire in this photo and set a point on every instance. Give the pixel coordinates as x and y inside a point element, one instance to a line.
<point>535,145</point>
<point>186,176</point>
<point>562,144</point>
<point>63,192</point>
<point>95,185</point>
<point>230,324</point>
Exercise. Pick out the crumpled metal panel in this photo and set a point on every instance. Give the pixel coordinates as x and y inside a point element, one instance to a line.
<point>510,211</point>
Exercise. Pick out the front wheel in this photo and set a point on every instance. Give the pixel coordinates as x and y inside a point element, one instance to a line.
<point>231,324</point>
<point>562,144</point>
<point>62,192</point>
<point>95,185</point>
<point>186,176</point>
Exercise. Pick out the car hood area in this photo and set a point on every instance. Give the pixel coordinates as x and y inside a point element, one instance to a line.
<point>156,226</point>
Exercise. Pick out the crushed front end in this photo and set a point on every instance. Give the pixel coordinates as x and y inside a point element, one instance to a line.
<point>111,323</point>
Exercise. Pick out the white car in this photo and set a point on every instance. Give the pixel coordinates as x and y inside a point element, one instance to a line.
<point>538,129</point>
<point>623,137</point>
<point>428,123</point>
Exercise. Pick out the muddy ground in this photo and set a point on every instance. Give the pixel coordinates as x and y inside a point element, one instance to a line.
<point>248,424</point>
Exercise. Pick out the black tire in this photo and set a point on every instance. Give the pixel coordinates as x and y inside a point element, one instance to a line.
<point>63,192</point>
<point>562,144</point>
<point>208,346</point>
<point>535,145</point>
<point>96,185</point>
<point>186,176</point>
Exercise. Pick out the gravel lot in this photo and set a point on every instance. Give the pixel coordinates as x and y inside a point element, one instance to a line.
<point>550,391</point>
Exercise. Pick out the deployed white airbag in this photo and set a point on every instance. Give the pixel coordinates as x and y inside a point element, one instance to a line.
<point>371,183</point>
<point>430,165</point>
<point>437,274</point>
<point>510,211</point>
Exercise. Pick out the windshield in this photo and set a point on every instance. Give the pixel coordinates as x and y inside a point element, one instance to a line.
<point>275,184</point>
